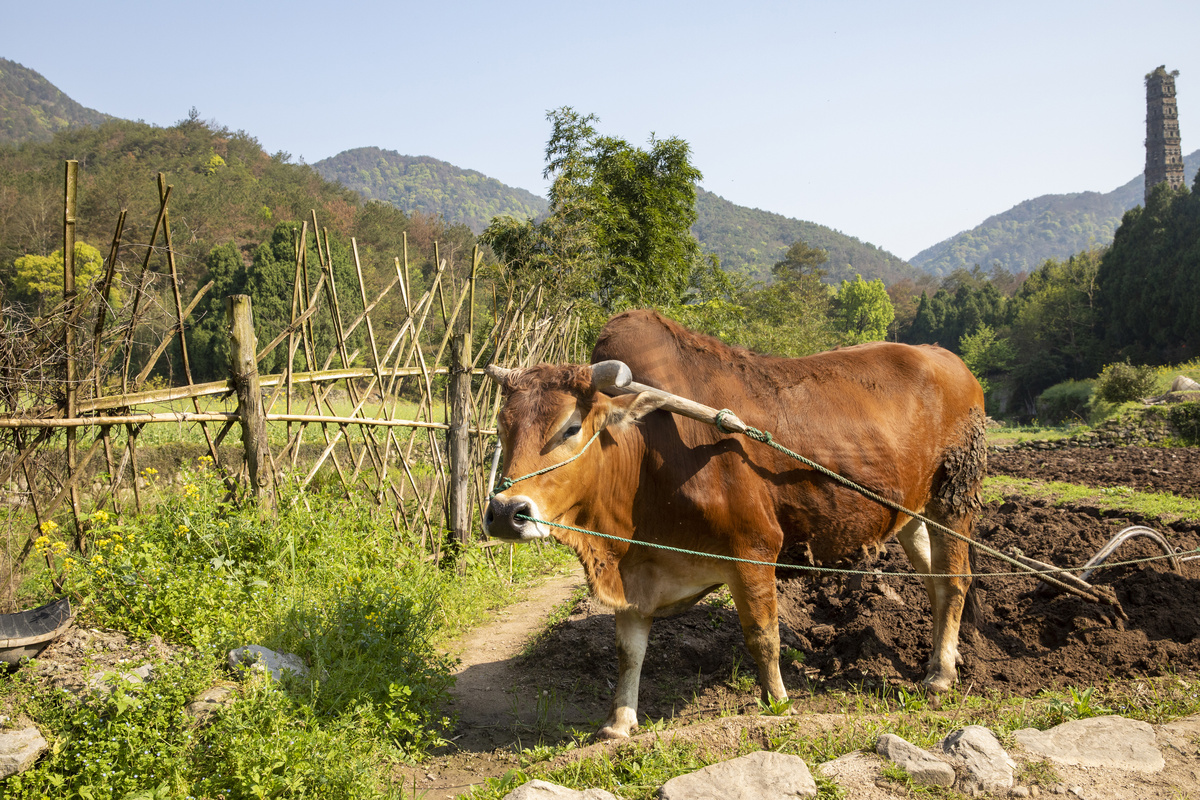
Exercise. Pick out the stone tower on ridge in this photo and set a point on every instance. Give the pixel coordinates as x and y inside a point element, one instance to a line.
<point>1164,160</point>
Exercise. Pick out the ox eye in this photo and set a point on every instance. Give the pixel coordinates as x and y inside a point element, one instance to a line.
<point>571,431</point>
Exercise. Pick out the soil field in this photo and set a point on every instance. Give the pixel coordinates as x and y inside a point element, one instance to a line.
<point>875,631</point>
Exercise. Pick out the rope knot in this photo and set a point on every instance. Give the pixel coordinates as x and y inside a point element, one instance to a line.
<point>724,412</point>
<point>759,436</point>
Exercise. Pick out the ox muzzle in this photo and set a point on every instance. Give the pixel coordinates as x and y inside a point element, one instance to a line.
<point>505,519</point>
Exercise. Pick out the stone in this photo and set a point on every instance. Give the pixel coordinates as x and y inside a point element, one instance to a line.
<point>1108,741</point>
<point>213,699</point>
<point>758,776</point>
<point>260,658</point>
<point>988,767</point>
<point>19,749</point>
<point>923,767</point>
<point>541,790</point>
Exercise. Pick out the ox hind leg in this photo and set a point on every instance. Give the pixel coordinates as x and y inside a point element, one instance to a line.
<point>946,557</point>
<point>633,634</point>
<point>753,590</point>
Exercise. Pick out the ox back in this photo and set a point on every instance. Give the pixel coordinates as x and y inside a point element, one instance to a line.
<point>906,422</point>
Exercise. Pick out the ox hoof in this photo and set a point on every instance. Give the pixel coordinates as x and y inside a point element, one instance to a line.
<point>939,682</point>
<point>609,732</point>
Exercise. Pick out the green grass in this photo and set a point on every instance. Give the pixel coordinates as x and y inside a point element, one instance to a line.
<point>1152,505</point>
<point>330,581</point>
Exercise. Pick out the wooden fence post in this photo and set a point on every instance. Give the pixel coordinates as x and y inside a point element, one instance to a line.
<point>243,369</point>
<point>458,438</point>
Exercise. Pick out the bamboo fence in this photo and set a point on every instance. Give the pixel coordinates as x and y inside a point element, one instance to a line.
<point>72,391</point>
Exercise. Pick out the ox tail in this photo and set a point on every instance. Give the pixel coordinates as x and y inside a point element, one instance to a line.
<point>961,496</point>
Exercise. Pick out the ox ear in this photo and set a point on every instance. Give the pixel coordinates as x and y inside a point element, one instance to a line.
<point>630,408</point>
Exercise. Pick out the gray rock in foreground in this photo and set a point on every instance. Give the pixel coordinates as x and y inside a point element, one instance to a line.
<point>989,769</point>
<point>1108,741</point>
<point>19,749</point>
<point>541,790</point>
<point>260,658</point>
<point>923,767</point>
<point>758,776</point>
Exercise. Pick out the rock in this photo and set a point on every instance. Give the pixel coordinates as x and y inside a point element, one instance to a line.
<point>1108,741</point>
<point>759,776</point>
<point>541,790</point>
<point>923,767</point>
<point>989,769</point>
<point>202,707</point>
<point>260,658</point>
<point>105,682</point>
<point>19,749</point>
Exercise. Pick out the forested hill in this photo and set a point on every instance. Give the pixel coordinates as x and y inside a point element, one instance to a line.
<point>33,109</point>
<point>421,183</point>
<point>1051,226</point>
<point>751,240</point>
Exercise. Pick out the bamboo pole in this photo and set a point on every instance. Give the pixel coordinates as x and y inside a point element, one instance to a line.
<point>70,212</point>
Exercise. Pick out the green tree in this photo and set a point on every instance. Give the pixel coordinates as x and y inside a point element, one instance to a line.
<point>863,310</point>
<point>984,354</point>
<point>1055,328</point>
<point>38,280</point>
<point>618,229</point>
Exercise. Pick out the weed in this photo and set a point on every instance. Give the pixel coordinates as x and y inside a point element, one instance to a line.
<point>775,706</point>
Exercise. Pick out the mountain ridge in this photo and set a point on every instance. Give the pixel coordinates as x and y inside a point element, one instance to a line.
<point>1048,226</point>
<point>34,109</point>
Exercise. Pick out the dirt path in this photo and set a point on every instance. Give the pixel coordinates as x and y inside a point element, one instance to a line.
<point>495,717</point>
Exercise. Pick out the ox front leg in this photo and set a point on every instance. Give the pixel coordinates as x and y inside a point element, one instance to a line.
<point>754,595</point>
<point>633,633</point>
<point>943,556</point>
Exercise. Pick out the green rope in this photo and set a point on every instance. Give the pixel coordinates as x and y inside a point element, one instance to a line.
<point>766,438</point>
<point>840,571</point>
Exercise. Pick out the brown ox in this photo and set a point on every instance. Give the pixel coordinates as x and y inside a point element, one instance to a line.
<point>906,422</point>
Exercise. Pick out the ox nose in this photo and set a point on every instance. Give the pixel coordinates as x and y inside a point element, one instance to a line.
<point>504,518</point>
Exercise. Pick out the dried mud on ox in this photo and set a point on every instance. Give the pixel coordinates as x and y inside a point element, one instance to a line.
<point>876,630</point>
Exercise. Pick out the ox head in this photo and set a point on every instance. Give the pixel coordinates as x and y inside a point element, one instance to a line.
<point>550,415</point>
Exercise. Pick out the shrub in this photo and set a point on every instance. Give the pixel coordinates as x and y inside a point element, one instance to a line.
<point>1185,417</point>
<point>1122,382</point>
<point>1064,401</point>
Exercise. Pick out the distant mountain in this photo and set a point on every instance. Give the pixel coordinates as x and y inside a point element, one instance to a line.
<point>421,183</point>
<point>1051,226</point>
<point>33,109</point>
<point>750,240</point>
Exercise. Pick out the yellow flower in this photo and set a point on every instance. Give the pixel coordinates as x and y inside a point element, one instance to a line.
<point>97,559</point>
<point>118,548</point>
<point>182,529</point>
<point>49,526</point>
<point>204,460</point>
<point>223,524</point>
<point>58,548</point>
<point>100,516</point>
<point>41,542</point>
<point>149,472</point>
<point>68,563</point>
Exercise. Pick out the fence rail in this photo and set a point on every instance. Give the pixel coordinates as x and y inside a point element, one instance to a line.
<point>376,400</point>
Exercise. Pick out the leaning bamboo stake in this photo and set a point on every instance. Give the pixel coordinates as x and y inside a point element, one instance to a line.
<point>114,474</point>
<point>137,296</point>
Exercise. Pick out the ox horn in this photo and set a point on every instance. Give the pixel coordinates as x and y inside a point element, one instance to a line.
<point>610,374</point>
<point>498,373</point>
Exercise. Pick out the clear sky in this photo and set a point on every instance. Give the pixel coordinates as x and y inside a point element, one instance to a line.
<point>899,123</point>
